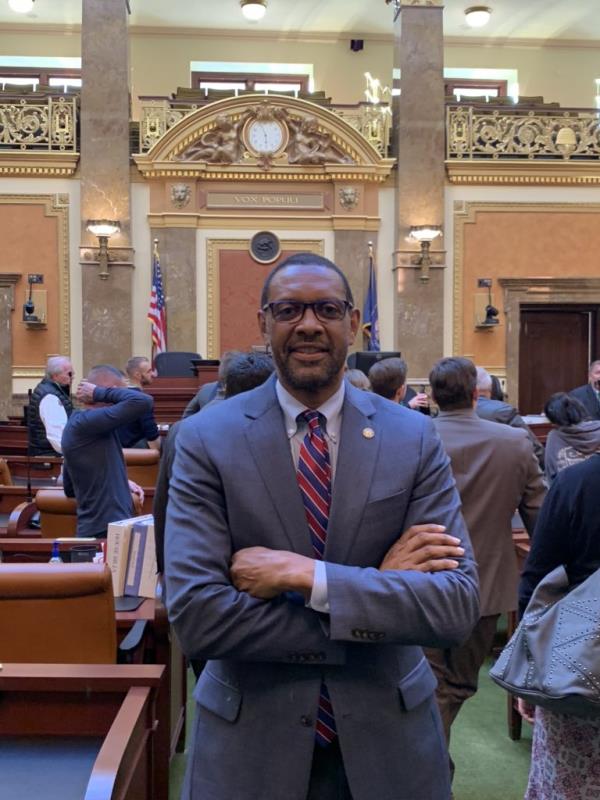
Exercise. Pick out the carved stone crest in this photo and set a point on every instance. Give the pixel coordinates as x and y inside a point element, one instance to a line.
<point>348,197</point>
<point>181,194</point>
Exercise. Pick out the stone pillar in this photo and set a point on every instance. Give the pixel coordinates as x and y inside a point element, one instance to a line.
<point>177,251</point>
<point>420,145</point>
<point>352,256</point>
<point>7,306</point>
<point>107,304</point>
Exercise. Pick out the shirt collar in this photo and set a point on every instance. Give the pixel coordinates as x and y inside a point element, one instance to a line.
<point>331,410</point>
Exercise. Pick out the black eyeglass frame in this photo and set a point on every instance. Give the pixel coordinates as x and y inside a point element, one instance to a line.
<point>347,306</point>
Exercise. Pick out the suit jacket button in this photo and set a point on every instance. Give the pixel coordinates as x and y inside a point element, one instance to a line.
<point>306,721</point>
<point>355,633</point>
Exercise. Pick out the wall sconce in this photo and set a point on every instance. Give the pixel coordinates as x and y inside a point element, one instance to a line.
<point>424,234</point>
<point>103,229</point>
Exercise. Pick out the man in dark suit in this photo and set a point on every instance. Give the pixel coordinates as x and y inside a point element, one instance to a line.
<point>496,472</point>
<point>287,568</point>
<point>499,411</point>
<point>589,394</point>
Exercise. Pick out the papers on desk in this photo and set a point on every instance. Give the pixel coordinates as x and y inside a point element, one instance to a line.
<point>131,556</point>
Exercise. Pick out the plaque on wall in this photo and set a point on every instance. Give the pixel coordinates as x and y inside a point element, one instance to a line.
<point>265,247</point>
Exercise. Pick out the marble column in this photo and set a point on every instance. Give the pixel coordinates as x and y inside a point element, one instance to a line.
<point>177,250</point>
<point>7,306</point>
<point>352,256</point>
<point>105,194</point>
<point>420,148</point>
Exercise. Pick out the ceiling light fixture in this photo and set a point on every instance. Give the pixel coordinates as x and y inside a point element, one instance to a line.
<point>477,16</point>
<point>21,6</point>
<point>253,10</point>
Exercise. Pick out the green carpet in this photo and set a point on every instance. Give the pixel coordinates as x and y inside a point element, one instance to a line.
<point>489,766</point>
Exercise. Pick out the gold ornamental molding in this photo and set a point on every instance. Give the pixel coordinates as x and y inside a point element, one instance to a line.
<point>466,213</point>
<point>213,248</point>
<point>28,372</point>
<point>263,138</point>
<point>55,205</point>
<point>28,164</point>
<point>487,171</point>
<point>334,222</point>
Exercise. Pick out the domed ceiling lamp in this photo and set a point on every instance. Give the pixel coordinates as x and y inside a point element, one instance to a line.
<point>477,16</point>
<point>253,10</point>
<point>21,6</point>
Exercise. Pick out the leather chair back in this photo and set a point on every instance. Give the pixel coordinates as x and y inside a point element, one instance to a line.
<point>142,465</point>
<point>58,513</point>
<point>5,476</point>
<point>57,614</point>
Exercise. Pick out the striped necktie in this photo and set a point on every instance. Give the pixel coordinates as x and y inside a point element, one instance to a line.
<point>314,479</point>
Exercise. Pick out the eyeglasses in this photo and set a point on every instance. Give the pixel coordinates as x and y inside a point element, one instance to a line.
<point>294,310</point>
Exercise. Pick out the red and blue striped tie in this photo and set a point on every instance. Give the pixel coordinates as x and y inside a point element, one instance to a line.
<point>314,479</point>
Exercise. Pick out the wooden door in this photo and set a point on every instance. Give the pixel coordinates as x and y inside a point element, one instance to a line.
<point>556,344</point>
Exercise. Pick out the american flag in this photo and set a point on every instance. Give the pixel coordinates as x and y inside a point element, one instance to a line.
<point>157,313</point>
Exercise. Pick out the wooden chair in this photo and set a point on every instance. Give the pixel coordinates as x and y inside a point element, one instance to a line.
<point>5,476</point>
<point>58,513</point>
<point>60,614</point>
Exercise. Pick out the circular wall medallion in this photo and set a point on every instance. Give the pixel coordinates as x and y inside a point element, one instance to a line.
<point>265,247</point>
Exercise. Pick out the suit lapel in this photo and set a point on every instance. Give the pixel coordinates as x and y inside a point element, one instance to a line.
<point>270,448</point>
<point>354,472</point>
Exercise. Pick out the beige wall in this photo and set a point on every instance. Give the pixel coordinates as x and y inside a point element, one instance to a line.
<point>160,61</point>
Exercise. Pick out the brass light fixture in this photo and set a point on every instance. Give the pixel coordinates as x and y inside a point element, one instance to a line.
<point>103,229</point>
<point>253,10</point>
<point>424,234</point>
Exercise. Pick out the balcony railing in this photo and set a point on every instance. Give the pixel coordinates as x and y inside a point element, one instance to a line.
<point>40,125</point>
<point>372,121</point>
<point>474,133</point>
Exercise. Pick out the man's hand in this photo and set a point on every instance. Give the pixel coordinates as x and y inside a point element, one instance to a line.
<point>85,392</point>
<point>265,573</point>
<point>420,400</point>
<point>425,548</point>
<point>137,491</point>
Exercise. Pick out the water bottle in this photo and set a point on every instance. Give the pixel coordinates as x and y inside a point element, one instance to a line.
<point>55,557</point>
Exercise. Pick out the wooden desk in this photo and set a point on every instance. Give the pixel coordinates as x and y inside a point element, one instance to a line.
<point>111,710</point>
<point>171,395</point>
<point>162,647</point>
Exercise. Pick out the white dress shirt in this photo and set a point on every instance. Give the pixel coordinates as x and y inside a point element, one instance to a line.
<point>331,412</point>
<point>54,419</point>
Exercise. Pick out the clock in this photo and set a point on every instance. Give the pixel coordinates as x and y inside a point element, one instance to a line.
<point>265,137</point>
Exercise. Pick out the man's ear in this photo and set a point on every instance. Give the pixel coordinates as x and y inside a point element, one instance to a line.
<point>262,326</point>
<point>354,325</point>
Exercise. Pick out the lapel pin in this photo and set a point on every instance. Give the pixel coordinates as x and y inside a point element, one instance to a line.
<point>368,433</point>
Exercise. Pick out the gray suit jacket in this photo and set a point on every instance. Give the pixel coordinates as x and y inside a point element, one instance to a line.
<point>496,472</point>
<point>234,486</point>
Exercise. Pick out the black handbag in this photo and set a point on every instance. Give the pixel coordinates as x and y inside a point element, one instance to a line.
<point>553,658</point>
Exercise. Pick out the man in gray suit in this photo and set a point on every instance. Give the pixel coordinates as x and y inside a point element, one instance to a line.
<point>291,576</point>
<point>496,472</point>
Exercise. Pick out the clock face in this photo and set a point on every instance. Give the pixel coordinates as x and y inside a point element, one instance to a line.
<point>265,136</point>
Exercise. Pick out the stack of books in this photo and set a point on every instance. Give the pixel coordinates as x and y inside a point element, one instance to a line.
<point>131,556</point>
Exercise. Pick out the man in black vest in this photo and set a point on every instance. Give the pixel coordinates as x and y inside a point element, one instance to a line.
<point>49,408</point>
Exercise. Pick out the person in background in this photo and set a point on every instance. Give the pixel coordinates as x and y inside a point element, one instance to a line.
<point>141,432</point>
<point>575,438</point>
<point>49,408</point>
<point>388,378</point>
<point>242,372</point>
<point>210,391</point>
<point>565,753</point>
<point>358,378</point>
<point>499,411</point>
<point>495,472</point>
<point>589,394</point>
<point>94,468</point>
<point>285,566</point>
<point>496,391</point>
